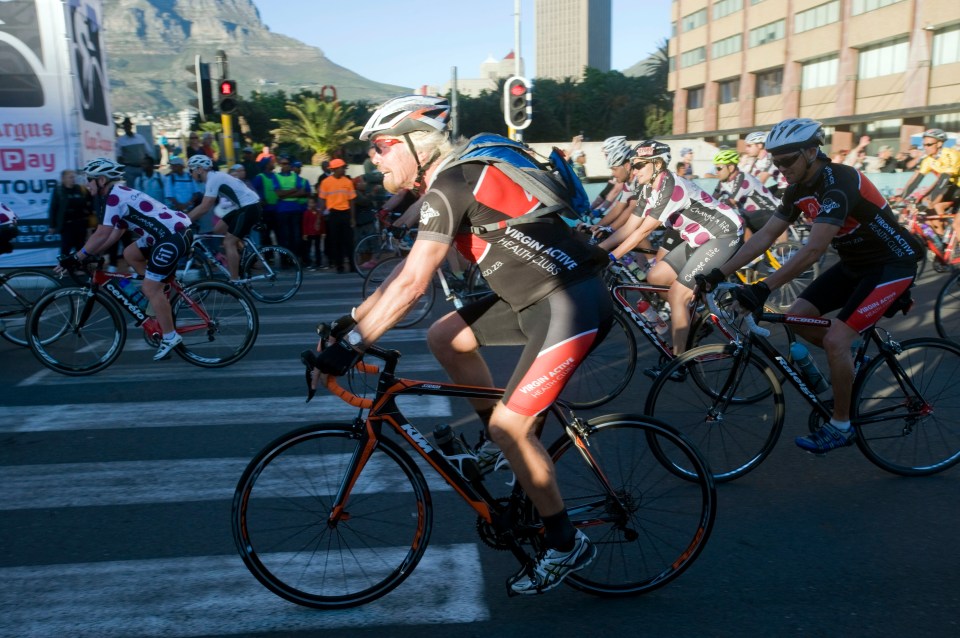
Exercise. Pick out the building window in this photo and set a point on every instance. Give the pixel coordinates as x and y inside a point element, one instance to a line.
<point>817,17</point>
<point>755,1</point>
<point>673,29</point>
<point>946,47</point>
<point>693,57</point>
<point>822,72</point>
<point>694,20</point>
<point>883,59</point>
<point>729,90</point>
<point>723,8</point>
<point>671,64</point>
<point>695,98</point>
<point>770,82</point>
<point>727,46</point>
<point>862,6</point>
<point>766,33</point>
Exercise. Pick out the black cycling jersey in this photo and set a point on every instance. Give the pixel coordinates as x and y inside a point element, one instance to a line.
<point>522,263</point>
<point>841,195</point>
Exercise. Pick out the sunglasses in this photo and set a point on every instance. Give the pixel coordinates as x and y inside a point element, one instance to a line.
<point>382,145</point>
<point>787,160</point>
<point>638,165</point>
<point>930,144</point>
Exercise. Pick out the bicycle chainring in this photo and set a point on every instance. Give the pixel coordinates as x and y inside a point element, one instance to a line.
<point>490,536</point>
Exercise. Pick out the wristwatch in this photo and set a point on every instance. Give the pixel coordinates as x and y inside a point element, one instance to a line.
<point>355,340</point>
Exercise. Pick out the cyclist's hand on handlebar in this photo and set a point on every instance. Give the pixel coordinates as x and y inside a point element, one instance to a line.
<point>710,280</point>
<point>337,359</point>
<point>340,327</point>
<point>751,298</point>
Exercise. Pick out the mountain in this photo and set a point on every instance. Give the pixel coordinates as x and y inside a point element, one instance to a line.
<point>150,43</point>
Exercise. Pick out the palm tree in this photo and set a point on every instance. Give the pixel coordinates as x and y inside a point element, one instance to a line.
<point>317,125</point>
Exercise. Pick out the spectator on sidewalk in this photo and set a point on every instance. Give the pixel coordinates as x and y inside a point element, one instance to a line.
<point>313,232</point>
<point>131,149</point>
<point>149,181</point>
<point>69,214</point>
<point>337,196</point>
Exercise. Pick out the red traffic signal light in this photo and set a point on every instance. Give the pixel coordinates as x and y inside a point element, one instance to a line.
<point>517,104</point>
<point>228,96</point>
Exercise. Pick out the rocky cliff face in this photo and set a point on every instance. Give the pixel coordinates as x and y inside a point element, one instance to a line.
<point>151,42</point>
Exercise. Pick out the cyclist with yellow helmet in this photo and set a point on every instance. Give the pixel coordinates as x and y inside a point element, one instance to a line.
<point>743,191</point>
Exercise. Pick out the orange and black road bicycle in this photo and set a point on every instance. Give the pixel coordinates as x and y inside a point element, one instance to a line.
<point>338,514</point>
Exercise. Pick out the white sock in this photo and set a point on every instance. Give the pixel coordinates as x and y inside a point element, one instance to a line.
<point>840,425</point>
<point>170,335</point>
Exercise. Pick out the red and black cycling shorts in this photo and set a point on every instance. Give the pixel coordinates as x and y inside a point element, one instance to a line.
<point>861,295</point>
<point>557,333</point>
<point>240,221</point>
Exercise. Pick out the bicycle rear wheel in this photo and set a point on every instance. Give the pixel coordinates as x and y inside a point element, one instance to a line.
<point>731,409</point>
<point>18,293</point>
<point>76,333</point>
<point>606,371</point>
<point>658,523</point>
<point>273,276</point>
<point>781,298</point>
<point>283,504</point>
<point>219,327</point>
<point>910,428</point>
<point>378,275</point>
<point>946,312</point>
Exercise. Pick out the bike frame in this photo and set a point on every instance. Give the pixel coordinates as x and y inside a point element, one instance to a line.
<point>202,251</point>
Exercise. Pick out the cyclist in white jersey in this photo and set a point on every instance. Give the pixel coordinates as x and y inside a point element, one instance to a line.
<point>160,239</point>
<point>8,229</point>
<point>710,231</point>
<point>240,203</point>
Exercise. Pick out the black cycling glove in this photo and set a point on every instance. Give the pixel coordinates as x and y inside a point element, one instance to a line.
<point>710,280</point>
<point>340,327</point>
<point>337,359</point>
<point>751,298</point>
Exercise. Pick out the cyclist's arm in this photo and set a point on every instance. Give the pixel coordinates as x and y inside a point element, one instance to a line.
<point>102,238</point>
<point>758,242</point>
<point>400,291</point>
<point>628,236</point>
<point>206,204</point>
<point>817,243</point>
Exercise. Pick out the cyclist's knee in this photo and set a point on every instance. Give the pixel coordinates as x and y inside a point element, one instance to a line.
<point>450,335</point>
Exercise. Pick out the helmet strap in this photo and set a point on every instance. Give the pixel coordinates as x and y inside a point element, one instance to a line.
<point>419,183</point>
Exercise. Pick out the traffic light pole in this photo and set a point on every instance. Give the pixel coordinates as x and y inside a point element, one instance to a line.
<point>226,121</point>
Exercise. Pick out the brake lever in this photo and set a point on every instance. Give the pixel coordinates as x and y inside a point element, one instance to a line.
<point>309,359</point>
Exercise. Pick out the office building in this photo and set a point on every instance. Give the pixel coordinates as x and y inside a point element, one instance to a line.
<point>884,68</point>
<point>570,36</point>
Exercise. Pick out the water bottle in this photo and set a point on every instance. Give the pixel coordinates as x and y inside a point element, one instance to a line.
<point>453,446</point>
<point>808,369</point>
<point>652,317</point>
<point>932,235</point>
<point>132,290</point>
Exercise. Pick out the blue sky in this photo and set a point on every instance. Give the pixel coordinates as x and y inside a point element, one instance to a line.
<point>413,42</point>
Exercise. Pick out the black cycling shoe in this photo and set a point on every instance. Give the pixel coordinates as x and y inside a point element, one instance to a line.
<point>677,375</point>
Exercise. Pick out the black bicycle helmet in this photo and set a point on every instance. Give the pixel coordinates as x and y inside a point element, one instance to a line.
<point>795,134</point>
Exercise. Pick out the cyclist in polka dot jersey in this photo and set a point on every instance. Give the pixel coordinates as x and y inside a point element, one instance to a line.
<point>710,231</point>
<point>159,243</point>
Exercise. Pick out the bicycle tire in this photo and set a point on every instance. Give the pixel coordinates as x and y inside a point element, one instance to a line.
<point>606,371</point>
<point>666,521</point>
<point>282,284</point>
<point>371,250</point>
<point>783,297</point>
<point>918,436</point>
<point>231,331</point>
<point>61,345</point>
<point>28,287</point>
<point>196,268</point>
<point>946,311</point>
<point>280,518</point>
<point>420,309</point>
<point>734,435</point>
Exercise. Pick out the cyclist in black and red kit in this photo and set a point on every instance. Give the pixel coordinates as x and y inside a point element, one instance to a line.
<point>549,298</point>
<point>878,261</point>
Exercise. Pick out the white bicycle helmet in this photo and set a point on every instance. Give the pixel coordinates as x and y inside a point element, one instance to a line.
<point>613,142</point>
<point>651,150</point>
<point>103,167</point>
<point>619,155</point>
<point>757,137</point>
<point>936,134</point>
<point>199,161</point>
<point>407,114</point>
<point>795,134</point>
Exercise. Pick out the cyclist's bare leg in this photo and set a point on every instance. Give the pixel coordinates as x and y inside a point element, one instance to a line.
<point>679,297</point>
<point>662,275</point>
<point>231,248</point>
<point>454,345</point>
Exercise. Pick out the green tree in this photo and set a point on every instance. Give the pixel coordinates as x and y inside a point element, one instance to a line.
<point>317,126</point>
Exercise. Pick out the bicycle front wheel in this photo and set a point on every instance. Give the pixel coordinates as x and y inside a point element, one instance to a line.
<point>946,312</point>
<point>730,407</point>
<point>606,371</point>
<point>655,523</point>
<point>273,276</point>
<point>76,332</point>
<point>783,297</point>
<point>905,408</point>
<point>218,323</point>
<point>284,526</point>
<point>18,293</point>
<point>371,250</point>
<point>379,273</point>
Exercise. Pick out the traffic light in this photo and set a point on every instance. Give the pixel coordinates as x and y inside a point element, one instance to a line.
<point>228,96</point>
<point>201,84</point>
<point>517,103</point>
